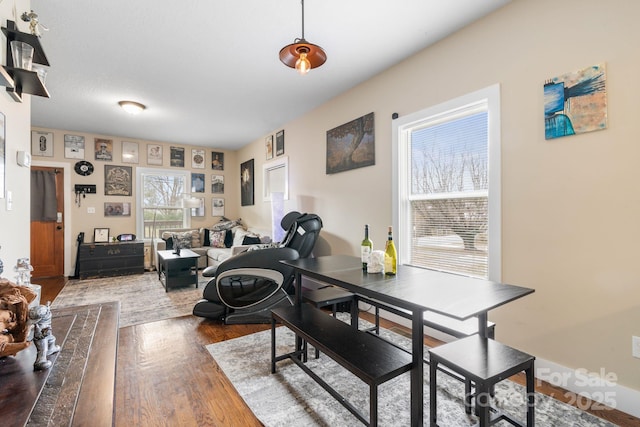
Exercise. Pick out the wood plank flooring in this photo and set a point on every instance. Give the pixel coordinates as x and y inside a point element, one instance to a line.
<point>165,376</point>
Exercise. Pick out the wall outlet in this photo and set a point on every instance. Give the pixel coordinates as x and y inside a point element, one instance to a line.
<point>91,210</point>
<point>635,346</point>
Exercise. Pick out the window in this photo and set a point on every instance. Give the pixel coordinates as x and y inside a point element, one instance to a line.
<point>447,194</point>
<point>159,196</point>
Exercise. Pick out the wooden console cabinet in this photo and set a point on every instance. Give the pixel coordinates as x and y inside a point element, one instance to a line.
<point>110,259</point>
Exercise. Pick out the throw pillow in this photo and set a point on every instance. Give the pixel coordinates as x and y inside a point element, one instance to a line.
<point>227,224</point>
<point>216,239</point>
<point>238,236</point>
<point>205,240</point>
<point>228,238</point>
<point>182,240</point>
<point>195,239</point>
<point>250,240</point>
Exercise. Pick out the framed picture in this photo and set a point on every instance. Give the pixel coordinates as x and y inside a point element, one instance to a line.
<point>154,154</point>
<point>268,147</point>
<point>3,155</point>
<point>100,235</point>
<point>217,161</point>
<point>74,147</point>
<point>217,207</point>
<point>117,209</point>
<point>197,183</point>
<point>200,210</point>
<point>280,143</point>
<point>197,159</point>
<point>351,145</point>
<point>217,184</point>
<point>117,180</point>
<point>176,157</point>
<point>42,143</point>
<point>129,152</point>
<point>246,183</point>
<point>104,149</point>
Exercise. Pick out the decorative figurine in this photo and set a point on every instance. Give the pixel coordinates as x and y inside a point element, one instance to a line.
<point>42,336</point>
<point>24,269</point>
<point>14,312</point>
<point>34,23</point>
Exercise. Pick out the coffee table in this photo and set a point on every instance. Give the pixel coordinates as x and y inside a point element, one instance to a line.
<point>178,269</point>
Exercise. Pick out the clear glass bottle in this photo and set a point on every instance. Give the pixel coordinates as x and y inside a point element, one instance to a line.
<point>365,248</point>
<point>390,255</point>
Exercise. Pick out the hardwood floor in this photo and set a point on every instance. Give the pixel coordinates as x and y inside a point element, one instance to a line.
<point>166,377</point>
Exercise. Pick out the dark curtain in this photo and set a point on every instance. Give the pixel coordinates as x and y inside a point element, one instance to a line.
<point>44,205</point>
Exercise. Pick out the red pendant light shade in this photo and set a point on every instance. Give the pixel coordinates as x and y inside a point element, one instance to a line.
<point>301,54</point>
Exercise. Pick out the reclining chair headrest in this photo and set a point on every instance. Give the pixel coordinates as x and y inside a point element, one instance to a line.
<point>302,232</point>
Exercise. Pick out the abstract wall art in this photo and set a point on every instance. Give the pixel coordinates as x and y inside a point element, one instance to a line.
<point>575,102</point>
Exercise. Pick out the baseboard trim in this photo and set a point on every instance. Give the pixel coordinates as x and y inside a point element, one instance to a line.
<point>600,388</point>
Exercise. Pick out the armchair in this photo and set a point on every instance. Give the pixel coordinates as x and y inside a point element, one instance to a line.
<point>247,286</point>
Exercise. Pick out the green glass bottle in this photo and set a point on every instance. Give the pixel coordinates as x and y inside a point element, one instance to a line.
<point>365,248</point>
<point>390,255</point>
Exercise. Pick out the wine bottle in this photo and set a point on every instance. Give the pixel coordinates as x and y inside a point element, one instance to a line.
<point>390,255</point>
<point>365,248</point>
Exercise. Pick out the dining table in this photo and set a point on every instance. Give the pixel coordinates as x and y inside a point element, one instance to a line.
<point>415,290</point>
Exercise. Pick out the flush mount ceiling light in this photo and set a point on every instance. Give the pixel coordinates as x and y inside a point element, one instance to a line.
<point>132,107</point>
<point>301,54</point>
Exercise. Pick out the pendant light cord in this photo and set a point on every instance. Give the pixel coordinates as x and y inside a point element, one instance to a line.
<point>302,1</point>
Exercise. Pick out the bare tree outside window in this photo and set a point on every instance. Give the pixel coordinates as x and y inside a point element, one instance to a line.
<point>449,186</point>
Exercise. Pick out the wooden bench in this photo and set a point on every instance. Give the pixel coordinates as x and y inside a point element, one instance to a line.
<point>369,358</point>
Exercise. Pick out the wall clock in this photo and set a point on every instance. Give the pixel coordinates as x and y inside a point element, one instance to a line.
<point>83,168</point>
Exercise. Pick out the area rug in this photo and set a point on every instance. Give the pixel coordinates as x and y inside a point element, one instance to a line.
<point>291,398</point>
<point>142,297</point>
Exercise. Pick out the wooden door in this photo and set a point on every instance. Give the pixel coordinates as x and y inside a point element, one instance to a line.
<point>47,237</point>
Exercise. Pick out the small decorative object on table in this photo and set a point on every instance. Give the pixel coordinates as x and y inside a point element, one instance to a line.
<point>14,308</point>
<point>376,262</point>
<point>43,336</point>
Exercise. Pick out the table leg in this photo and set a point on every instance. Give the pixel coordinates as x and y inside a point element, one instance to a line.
<point>417,370</point>
<point>483,331</point>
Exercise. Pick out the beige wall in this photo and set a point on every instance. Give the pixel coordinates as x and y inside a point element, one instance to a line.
<point>570,206</point>
<point>79,219</point>
<point>14,224</point>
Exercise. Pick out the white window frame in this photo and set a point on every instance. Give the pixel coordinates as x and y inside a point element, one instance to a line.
<point>401,173</point>
<point>140,172</point>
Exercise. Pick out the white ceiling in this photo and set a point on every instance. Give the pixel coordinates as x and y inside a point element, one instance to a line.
<point>208,71</point>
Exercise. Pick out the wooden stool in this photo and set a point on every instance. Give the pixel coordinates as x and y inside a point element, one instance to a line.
<point>483,362</point>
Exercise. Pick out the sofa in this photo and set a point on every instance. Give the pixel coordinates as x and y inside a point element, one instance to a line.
<point>214,244</point>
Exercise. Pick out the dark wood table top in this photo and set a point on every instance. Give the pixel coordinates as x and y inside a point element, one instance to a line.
<point>413,288</point>
<point>79,388</point>
<point>184,253</point>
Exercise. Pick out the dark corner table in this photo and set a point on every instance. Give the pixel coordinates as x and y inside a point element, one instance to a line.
<point>416,290</point>
<point>178,269</point>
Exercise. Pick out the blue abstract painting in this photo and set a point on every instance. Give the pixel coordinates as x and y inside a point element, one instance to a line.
<point>575,102</point>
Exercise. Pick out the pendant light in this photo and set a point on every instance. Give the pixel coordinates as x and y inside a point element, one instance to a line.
<point>301,54</point>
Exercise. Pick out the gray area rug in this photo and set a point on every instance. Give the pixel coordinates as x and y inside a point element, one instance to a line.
<point>142,297</point>
<point>291,398</point>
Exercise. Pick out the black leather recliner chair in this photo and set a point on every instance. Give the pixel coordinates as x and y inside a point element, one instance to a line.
<point>246,287</point>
